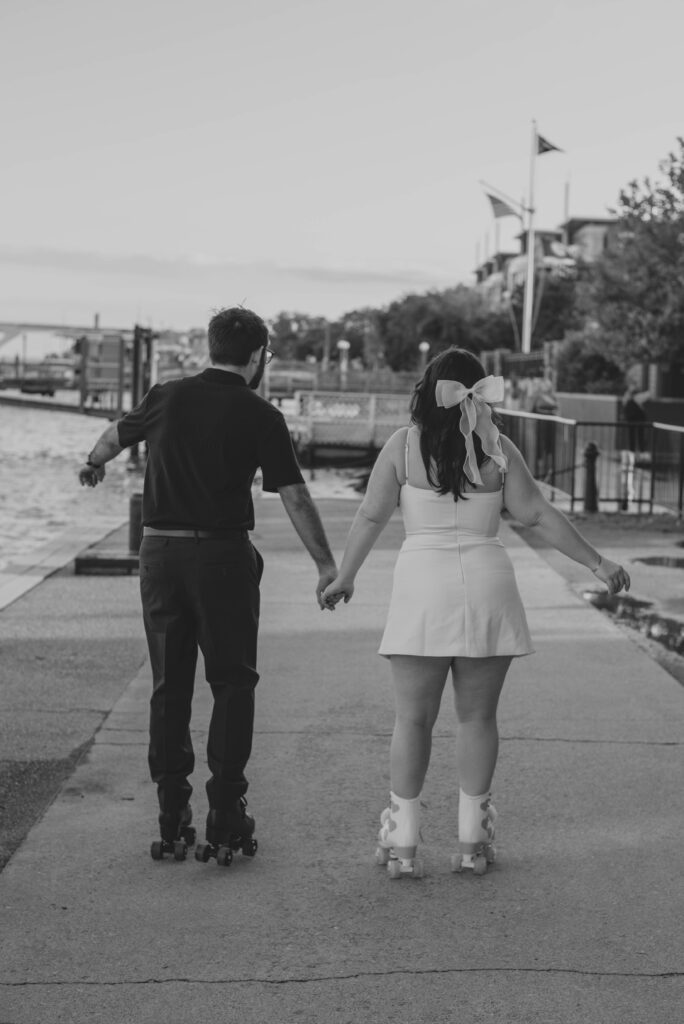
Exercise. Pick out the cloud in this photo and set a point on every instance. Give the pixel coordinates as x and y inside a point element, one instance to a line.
<point>194,267</point>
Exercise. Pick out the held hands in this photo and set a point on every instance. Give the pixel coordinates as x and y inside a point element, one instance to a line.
<point>613,575</point>
<point>325,577</point>
<point>91,476</point>
<point>331,588</point>
<point>336,591</point>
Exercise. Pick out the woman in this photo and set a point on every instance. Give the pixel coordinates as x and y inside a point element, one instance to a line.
<point>455,605</point>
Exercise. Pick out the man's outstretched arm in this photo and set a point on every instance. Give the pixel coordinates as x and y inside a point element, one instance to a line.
<point>106,447</point>
<point>301,509</point>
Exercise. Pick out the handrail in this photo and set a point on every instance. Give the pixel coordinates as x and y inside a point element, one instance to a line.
<point>668,426</point>
<point>536,416</point>
<point>590,423</point>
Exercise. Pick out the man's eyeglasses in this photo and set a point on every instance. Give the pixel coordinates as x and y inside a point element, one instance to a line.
<point>269,355</point>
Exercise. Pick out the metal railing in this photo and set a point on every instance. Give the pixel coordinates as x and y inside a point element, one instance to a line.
<point>633,466</point>
<point>333,419</point>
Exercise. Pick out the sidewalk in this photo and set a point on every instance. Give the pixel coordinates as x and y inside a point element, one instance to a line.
<point>579,920</point>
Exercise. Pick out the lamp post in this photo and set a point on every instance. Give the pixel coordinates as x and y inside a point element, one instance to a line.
<point>423,348</point>
<point>343,347</point>
<point>325,361</point>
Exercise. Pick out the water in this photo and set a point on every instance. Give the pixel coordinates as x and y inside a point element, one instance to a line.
<point>40,453</point>
<point>40,496</point>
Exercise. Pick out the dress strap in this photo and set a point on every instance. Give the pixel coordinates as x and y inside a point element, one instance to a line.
<point>406,455</point>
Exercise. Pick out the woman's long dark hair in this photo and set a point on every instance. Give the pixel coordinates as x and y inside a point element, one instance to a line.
<point>442,444</point>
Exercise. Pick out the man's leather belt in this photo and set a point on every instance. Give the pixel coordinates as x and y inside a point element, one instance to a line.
<point>151,531</point>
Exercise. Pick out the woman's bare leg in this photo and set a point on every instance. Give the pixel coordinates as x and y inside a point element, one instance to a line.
<point>418,687</point>
<point>477,688</point>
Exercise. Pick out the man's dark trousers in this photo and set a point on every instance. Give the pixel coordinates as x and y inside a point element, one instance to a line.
<point>201,592</point>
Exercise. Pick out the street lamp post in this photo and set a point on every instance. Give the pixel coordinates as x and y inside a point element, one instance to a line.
<point>343,347</point>
<point>423,348</point>
<point>325,361</point>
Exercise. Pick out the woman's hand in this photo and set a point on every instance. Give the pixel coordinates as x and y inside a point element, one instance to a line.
<point>336,591</point>
<point>613,575</point>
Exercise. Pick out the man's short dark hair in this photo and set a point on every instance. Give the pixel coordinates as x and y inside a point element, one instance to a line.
<point>234,334</point>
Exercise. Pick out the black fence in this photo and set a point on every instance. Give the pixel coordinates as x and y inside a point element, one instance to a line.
<point>633,467</point>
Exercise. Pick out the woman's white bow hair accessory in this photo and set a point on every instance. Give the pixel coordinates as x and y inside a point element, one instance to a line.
<point>476,417</point>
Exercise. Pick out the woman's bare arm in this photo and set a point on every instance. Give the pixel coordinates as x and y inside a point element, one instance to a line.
<point>527,504</point>
<point>380,501</point>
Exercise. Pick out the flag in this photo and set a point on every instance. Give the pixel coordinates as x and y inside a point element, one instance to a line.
<point>500,208</point>
<point>544,146</point>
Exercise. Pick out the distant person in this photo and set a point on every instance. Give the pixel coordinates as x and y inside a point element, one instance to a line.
<point>633,412</point>
<point>455,605</point>
<point>512,393</point>
<point>206,437</point>
<point>545,403</point>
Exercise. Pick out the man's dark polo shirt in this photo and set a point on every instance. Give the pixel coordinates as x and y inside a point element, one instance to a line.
<point>206,436</point>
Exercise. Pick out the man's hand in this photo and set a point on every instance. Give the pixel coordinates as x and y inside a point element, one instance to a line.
<point>325,578</point>
<point>335,591</point>
<point>91,476</point>
<point>307,522</point>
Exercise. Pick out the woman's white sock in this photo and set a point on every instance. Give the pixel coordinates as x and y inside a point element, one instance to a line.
<point>403,825</point>
<point>472,817</point>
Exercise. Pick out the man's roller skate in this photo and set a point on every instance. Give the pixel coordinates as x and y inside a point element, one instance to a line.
<point>476,818</point>
<point>398,838</point>
<point>176,832</point>
<point>228,831</point>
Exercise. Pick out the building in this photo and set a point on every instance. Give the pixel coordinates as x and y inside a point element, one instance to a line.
<point>558,252</point>
<point>590,236</point>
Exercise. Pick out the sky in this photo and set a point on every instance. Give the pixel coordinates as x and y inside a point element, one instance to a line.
<point>161,159</point>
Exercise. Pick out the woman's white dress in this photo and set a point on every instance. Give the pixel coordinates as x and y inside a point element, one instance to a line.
<point>454,591</point>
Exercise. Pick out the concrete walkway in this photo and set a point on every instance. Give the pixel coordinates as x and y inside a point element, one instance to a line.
<point>21,576</point>
<point>579,920</point>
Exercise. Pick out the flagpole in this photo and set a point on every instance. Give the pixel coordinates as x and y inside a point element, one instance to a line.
<point>529,276</point>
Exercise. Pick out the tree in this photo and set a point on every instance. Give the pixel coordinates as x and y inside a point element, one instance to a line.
<point>557,309</point>
<point>298,335</point>
<point>637,295</point>
<point>582,366</point>
<point>458,316</point>
<point>358,328</point>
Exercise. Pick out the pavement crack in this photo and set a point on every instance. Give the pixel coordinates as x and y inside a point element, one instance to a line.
<point>56,711</point>
<point>351,976</point>
<point>313,731</point>
<point>602,742</point>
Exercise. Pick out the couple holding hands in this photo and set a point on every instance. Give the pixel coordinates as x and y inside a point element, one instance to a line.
<point>455,609</point>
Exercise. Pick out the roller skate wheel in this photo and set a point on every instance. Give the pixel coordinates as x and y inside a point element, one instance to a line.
<point>203,853</point>
<point>381,856</point>
<point>384,817</point>
<point>457,863</point>
<point>480,864</point>
<point>418,869</point>
<point>180,849</point>
<point>224,856</point>
<point>394,869</point>
<point>157,850</point>
<point>490,853</point>
<point>250,847</point>
<point>189,835</point>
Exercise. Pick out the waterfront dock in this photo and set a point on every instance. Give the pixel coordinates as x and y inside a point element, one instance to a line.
<point>580,919</point>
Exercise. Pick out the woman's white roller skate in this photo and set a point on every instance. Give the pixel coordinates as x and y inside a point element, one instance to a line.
<point>398,838</point>
<point>476,818</point>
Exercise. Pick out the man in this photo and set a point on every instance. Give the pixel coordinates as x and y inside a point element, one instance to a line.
<point>199,572</point>
<point>634,414</point>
